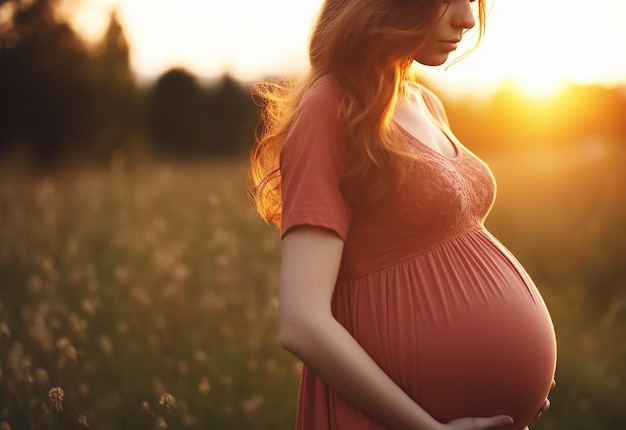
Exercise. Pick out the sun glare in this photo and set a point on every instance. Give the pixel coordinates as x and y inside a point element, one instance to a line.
<point>539,45</point>
<point>540,88</point>
<point>554,44</point>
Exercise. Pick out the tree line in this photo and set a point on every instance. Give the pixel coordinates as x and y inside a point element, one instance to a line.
<point>64,100</point>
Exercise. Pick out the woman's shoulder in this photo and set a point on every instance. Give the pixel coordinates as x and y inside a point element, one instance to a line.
<point>318,105</point>
<point>315,132</point>
<point>323,91</point>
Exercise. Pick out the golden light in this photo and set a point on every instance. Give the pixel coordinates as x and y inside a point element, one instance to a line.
<point>542,45</point>
<point>559,43</point>
<point>538,44</point>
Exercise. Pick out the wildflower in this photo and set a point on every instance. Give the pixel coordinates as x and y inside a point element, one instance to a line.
<point>35,284</point>
<point>204,387</point>
<point>79,325</point>
<point>39,332</point>
<point>182,367</point>
<point>69,352</point>
<point>56,395</point>
<point>157,386</point>
<point>271,366</point>
<point>200,356</point>
<point>252,404</point>
<point>106,345</point>
<point>5,332</point>
<point>145,407</point>
<point>122,274</point>
<point>167,401</point>
<point>139,295</point>
<point>88,307</point>
<point>181,272</point>
<point>160,423</point>
<point>121,327</point>
<point>82,419</point>
<point>47,265</point>
<point>226,380</point>
<point>221,260</point>
<point>83,390</point>
<point>41,377</point>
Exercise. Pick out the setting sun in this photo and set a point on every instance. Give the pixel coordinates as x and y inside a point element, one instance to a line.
<point>551,43</point>
<point>541,46</point>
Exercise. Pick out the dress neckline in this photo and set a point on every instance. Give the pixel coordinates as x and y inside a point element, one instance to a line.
<point>431,111</point>
<point>457,147</point>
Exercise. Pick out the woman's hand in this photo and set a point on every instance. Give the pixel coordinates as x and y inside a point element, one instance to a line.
<point>473,423</point>
<point>546,403</point>
<point>492,422</point>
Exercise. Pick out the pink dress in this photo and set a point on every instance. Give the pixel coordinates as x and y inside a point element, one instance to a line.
<point>442,307</point>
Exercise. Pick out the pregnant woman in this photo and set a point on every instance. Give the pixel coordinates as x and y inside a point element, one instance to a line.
<point>406,311</point>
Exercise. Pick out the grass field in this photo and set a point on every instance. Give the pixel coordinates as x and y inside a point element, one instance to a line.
<point>149,295</point>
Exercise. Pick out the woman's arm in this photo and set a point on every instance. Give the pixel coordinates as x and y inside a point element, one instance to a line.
<point>310,264</point>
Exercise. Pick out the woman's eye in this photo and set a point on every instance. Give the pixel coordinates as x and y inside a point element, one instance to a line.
<point>450,1</point>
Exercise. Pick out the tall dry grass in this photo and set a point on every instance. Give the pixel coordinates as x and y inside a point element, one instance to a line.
<point>146,298</point>
<point>126,288</point>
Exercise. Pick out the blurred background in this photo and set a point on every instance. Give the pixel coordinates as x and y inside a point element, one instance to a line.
<point>138,289</point>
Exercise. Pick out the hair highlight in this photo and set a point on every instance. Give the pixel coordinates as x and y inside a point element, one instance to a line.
<point>367,47</point>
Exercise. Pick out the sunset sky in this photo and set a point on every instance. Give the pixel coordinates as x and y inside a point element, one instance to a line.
<point>538,44</point>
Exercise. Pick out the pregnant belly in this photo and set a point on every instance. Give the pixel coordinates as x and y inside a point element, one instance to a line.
<point>461,328</point>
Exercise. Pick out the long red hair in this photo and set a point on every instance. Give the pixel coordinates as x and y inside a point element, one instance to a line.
<point>367,47</point>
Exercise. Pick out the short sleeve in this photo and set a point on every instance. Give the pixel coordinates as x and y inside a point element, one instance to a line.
<point>311,166</point>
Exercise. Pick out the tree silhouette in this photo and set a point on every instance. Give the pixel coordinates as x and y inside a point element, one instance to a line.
<point>117,103</point>
<point>174,115</point>
<point>114,54</point>
<point>231,115</point>
<point>45,105</point>
<point>187,120</point>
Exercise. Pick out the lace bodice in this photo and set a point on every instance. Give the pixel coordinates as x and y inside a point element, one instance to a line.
<point>442,198</point>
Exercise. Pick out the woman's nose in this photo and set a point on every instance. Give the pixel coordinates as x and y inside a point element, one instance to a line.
<point>464,16</point>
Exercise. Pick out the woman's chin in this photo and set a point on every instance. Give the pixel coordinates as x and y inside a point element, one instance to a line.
<point>433,60</point>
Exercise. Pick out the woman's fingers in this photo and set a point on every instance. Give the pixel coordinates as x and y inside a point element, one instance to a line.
<point>480,423</point>
<point>544,407</point>
<point>546,403</point>
<point>500,421</point>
